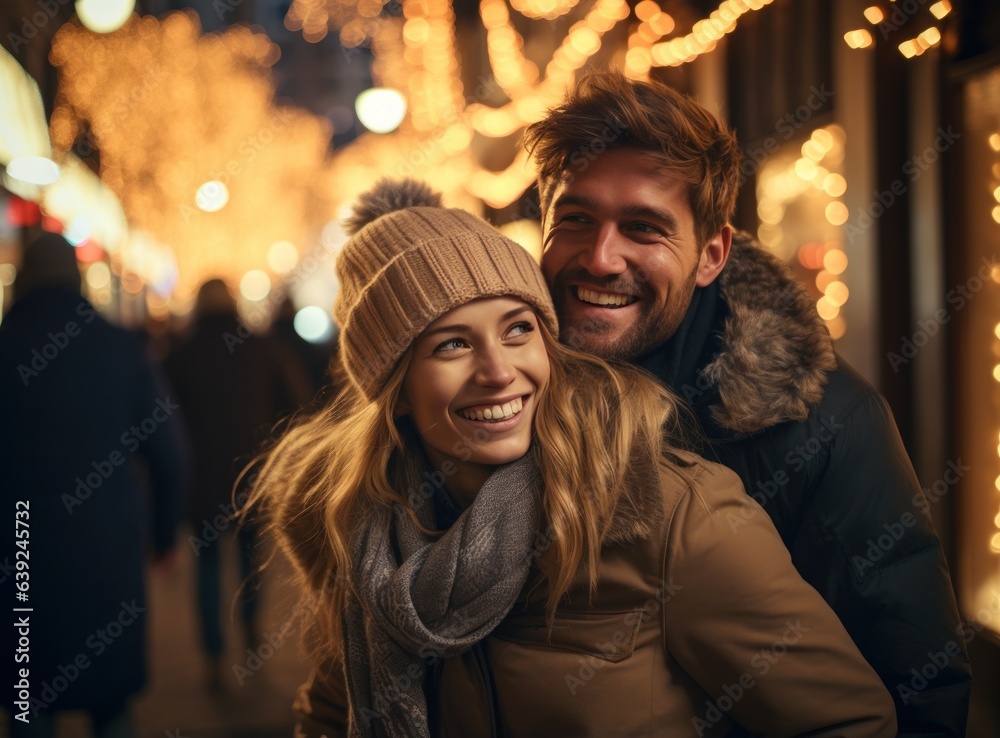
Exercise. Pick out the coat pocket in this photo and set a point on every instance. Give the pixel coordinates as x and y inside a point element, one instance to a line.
<point>610,636</point>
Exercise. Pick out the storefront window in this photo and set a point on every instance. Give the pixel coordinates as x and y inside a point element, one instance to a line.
<point>977,296</point>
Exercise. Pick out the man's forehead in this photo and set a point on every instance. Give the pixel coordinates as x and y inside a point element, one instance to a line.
<point>655,174</point>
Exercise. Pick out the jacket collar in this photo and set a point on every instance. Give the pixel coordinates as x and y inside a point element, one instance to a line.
<point>775,349</point>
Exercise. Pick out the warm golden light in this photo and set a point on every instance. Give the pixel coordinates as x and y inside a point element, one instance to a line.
<point>835,261</point>
<point>837,327</point>
<point>823,139</point>
<point>995,141</point>
<point>874,14</point>
<point>255,285</point>
<point>104,16</point>
<point>996,374</point>
<point>812,150</point>
<point>417,54</point>
<point>858,39</point>
<point>836,213</point>
<point>834,185</point>
<point>805,168</point>
<point>543,9</point>
<point>826,309</point>
<point>909,49</point>
<point>98,275</point>
<point>160,106</point>
<point>380,109</point>
<point>824,279</point>
<point>940,9</point>
<point>646,10</point>
<point>930,37</point>
<point>212,196</point>
<point>282,257</point>
<point>837,293</point>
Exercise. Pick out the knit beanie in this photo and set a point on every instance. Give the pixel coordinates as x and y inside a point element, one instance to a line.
<point>408,262</point>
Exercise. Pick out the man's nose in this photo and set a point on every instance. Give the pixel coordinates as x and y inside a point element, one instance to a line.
<point>603,258</point>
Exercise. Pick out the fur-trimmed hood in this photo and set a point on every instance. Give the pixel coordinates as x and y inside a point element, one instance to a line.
<point>776,350</point>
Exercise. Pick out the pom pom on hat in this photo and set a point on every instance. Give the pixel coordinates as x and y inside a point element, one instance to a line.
<point>388,196</point>
<point>408,262</point>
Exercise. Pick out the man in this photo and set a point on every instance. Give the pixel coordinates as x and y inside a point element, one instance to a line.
<point>643,266</point>
<point>86,424</point>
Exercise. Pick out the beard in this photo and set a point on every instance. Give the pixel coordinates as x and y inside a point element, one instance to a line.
<point>652,327</point>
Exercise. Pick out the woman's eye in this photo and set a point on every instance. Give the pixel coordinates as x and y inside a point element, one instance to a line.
<point>520,329</point>
<point>451,345</point>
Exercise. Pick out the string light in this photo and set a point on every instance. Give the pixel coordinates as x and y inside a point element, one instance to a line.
<point>416,54</point>
<point>543,9</point>
<point>779,184</point>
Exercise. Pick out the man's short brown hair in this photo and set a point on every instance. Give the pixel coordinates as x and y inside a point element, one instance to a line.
<point>607,111</point>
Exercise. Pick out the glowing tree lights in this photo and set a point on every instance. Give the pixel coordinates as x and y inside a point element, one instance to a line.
<point>191,142</point>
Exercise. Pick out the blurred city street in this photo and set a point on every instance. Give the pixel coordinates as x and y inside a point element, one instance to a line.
<point>175,703</point>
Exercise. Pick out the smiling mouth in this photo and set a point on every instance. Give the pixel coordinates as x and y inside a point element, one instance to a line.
<point>494,413</point>
<point>604,299</point>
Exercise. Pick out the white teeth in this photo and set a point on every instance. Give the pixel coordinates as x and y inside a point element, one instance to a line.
<point>495,413</point>
<point>602,298</point>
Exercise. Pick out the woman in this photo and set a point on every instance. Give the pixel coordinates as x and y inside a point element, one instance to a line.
<point>498,540</point>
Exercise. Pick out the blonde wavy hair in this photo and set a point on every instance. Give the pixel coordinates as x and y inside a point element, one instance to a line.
<point>605,431</point>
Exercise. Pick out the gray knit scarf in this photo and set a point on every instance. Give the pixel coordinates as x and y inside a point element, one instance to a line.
<point>418,596</point>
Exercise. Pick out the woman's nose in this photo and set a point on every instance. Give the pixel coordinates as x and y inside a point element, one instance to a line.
<point>495,368</point>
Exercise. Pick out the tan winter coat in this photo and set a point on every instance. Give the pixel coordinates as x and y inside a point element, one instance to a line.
<point>699,620</point>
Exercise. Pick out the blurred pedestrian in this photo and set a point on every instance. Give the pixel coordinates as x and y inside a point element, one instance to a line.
<point>232,387</point>
<point>81,405</point>
<point>314,357</point>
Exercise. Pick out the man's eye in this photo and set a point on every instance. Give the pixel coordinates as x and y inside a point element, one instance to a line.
<point>574,218</point>
<point>644,228</point>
